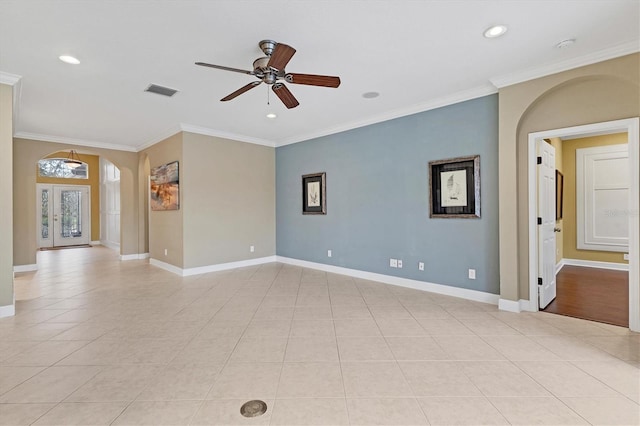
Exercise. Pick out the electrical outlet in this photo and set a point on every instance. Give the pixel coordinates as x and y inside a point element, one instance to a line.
<point>626,256</point>
<point>329,253</point>
<point>252,249</point>
<point>166,252</point>
<point>420,266</point>
<point>399,263</point>
<point>472,274</point>
<point>393,263</point>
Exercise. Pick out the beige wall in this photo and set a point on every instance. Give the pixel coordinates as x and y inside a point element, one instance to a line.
<point>571,240</point>
<point>166,227</point>
<point>26,154</point>
<point>93,166</point>
<point>556,143</point>
<point>6,210</point>
<point>229,200</point>
<point>605,91</point>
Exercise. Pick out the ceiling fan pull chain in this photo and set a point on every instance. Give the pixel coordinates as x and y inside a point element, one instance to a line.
<point>268,95</point>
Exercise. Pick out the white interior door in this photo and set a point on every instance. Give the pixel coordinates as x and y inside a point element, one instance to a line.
<point>546,223</point>
<point>64,216</point>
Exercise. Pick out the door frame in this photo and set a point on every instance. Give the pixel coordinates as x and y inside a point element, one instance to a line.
<point>632,127</point>
<point>51,187</point>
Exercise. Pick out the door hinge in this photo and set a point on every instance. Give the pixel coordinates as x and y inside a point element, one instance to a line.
<point>539,281</point>
<point>539,221</point>
<point>539,160</point>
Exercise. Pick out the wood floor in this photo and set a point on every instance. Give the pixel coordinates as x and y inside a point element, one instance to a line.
<point>595,294</point>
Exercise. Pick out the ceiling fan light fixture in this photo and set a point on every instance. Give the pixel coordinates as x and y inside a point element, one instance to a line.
<point>495,31</point>
<point>73,160</point>
<point>69,59</point>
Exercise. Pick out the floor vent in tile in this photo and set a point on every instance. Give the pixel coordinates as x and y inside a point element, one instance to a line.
<point>253,408</point>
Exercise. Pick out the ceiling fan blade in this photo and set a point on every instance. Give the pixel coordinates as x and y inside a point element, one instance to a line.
<point>281,56</point>
<point>241,90</point>
<point>220,67</point>
<point>313,80</point>
<point>285,95</point>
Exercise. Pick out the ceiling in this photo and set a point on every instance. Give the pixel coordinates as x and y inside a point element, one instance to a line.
<point>417,54</point>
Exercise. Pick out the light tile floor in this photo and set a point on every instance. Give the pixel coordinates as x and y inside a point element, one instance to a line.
<point>98,341</point>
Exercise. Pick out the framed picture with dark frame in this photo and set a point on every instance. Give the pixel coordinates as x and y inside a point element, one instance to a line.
<point>559,194</point>
<point>454,188</point>
<point>314,193</point>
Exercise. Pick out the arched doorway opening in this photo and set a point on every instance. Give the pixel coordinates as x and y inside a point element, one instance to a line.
<point>77,202</point>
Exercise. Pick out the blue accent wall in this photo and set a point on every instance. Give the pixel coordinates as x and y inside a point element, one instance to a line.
<point>378,197</point>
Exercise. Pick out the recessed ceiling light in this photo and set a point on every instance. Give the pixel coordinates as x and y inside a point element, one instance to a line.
<point>565,43</point>
<point>69,59</point>
<point>271,115</point>
<point>370,95</point>
<point>495,31</point>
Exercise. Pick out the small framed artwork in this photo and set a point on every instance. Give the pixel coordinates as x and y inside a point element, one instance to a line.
<point>165,187</point>
<point>454,188</point>
<point>314,193</point>
<point>559,189</point>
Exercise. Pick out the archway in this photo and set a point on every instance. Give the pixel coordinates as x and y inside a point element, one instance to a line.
<point>571,105</point>
<point>95,210</point>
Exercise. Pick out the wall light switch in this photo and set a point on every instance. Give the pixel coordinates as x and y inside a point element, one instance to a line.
<point>399,263</point>
<point>166,252</point>
<point>252,249</point>
<point>329,253</point>
<point>393,263</point>
<point>420,266</point>
<point>472,274</point>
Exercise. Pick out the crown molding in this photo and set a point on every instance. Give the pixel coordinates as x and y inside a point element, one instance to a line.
<point>9,79</point>
<point>454,98</point>
<point>72,141</point>
<point>159,138</point>
<point>185,127</point>
<point>556,67</point>
<point>206,131</point>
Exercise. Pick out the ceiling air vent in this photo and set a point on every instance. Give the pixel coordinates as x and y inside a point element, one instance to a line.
<point>161,90</point>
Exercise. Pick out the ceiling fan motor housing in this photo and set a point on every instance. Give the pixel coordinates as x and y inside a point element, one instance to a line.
<point>264,72</point>
<point>267,46</point>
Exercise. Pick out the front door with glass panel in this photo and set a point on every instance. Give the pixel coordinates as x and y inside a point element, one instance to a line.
<point>63,213</point>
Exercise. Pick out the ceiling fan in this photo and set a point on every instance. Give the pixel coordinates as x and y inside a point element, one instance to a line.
<point>270,69</point>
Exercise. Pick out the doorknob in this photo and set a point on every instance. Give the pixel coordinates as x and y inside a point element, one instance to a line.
<point>557,230</point>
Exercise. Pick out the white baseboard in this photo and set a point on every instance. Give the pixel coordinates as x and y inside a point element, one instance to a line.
<point>595,264</point>
<point>463,293</point>
<point>559,265</point>
<point>211,268</point>
<point>7,311</point>
<point>110,245</point>
<point>25,268</point>
<point>137,256</point>
<point>513,306</point>
<point>95,243</point>
<point>508,305</point>
<point>166,266</point>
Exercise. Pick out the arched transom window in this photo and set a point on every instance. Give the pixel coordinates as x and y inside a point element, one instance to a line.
<point>57,168</point>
